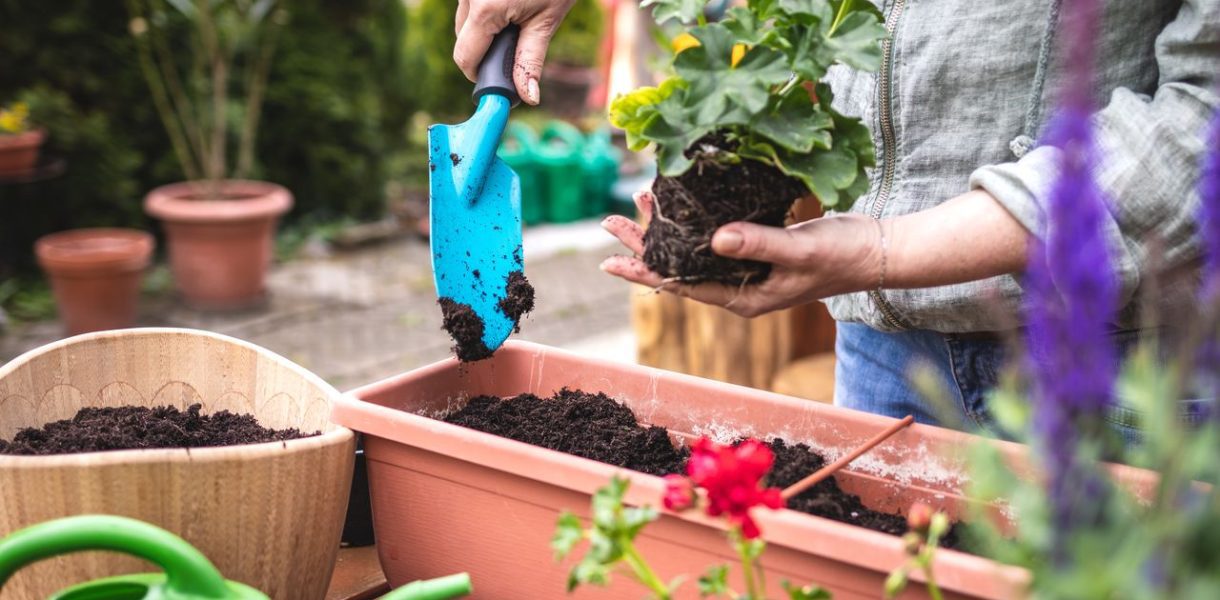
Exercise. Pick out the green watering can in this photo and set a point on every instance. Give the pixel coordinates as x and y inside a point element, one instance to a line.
<point>188,575</point>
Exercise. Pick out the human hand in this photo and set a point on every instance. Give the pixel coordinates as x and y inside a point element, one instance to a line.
<point>478,21</point>
<point>812,260</point>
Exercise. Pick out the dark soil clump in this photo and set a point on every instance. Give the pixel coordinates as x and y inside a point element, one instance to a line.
<point>138,427</point>
<point>585,425</point>
<point>689,208</point>
<point>518,299</point>
<point>466,329</point>
<point>596,427</point>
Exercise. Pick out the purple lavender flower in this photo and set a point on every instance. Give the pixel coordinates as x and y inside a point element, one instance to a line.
<point>1209,211</point>
<point>1071,295</point>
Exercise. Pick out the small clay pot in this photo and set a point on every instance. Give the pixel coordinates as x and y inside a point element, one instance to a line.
<point>19,152</point>
<point>220,237</point>
<point>95,275</point>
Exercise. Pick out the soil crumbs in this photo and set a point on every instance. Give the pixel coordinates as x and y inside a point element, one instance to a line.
<point>595,426</point>
<point>138,427</point>
<point>466,327</point>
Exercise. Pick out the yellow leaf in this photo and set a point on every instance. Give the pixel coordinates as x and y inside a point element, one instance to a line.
<point>739,50</point>
<point>684,41</point>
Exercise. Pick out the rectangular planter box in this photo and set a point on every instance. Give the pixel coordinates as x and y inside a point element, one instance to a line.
<point>447,499</point>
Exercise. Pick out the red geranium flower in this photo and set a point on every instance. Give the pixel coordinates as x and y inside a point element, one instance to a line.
<point>679,493</point>
<point>732,476</point>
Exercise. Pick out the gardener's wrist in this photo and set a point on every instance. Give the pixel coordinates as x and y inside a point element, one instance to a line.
<point>865,259</point>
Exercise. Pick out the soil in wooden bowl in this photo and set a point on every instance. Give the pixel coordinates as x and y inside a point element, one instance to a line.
<point>138,427</point>
<point>465,326</point>
<point>595,426</point>
<point>689,208</point>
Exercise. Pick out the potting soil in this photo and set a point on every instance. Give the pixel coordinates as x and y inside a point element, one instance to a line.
<point>465,326</point>
<point>138,427</point>
<point>594,426</point>
<point>689,208</point>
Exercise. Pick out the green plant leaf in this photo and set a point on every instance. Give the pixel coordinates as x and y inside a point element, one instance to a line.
<point>607,502</point>
<point>808,592</point>
<point>796,123</point>
<point>634,111</point>
<point>716,83</point>
<point>588,572</point>
<point>685,11</point>
<point>634,519</point>
<point>715,582</point>
<point>856,42</point>
<point>568,533</point>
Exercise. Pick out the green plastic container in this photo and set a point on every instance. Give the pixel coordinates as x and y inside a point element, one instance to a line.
<point>518,148</point>
<point>599,166</point>
<point>559,155</point>
<point>188,575</point>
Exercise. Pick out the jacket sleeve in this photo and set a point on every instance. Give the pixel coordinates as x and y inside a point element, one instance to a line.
<point>1149,150</point>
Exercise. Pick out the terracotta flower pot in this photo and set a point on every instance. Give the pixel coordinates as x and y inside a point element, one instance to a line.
<point>19,152</point>
<point>448,498</point>
<point>95,275</point>
<point>221,239</point>
<point>268,515</point>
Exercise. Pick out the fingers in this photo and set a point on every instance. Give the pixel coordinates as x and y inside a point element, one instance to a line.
<point>627,231</point>
<point>743,302</point>
<point>633,270</point>
<point>474,38</point>
<point>643,203</point>
<point>766,244</point>
<point>459,19</point>
<point>531,52</point>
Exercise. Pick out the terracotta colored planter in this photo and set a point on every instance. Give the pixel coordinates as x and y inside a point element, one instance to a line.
<point>268,515</point>
<point>19,153</point>
<point>95,275</point>
<point>448,498</point>
<point>220,249</point>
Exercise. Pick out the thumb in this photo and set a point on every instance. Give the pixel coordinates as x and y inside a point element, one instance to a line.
<point>531,52</point>
<point>759,242</point>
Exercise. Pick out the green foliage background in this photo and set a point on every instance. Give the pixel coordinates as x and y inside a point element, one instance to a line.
<point>336,113</point>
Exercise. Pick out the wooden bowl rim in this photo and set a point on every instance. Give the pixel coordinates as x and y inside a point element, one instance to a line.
<point>336,437</point>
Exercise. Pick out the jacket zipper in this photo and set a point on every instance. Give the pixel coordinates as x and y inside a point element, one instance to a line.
<point>888,142</point>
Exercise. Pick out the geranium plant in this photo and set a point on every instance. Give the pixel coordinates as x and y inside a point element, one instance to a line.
<point>726,480</point>
<point>744,126</point>
<point>15,119</point>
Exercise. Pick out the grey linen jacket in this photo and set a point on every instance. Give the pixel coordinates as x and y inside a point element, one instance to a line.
<point>962,95</point>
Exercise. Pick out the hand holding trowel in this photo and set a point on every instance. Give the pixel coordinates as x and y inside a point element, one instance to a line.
<point>475,215</point>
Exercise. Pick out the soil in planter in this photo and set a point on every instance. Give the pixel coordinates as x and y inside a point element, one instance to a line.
<point>689,208</point>
<point>466,327</point>
<point>138,427</point>
<point>596,427</point>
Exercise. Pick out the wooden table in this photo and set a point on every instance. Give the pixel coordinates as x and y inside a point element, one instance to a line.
<point>357,575</point>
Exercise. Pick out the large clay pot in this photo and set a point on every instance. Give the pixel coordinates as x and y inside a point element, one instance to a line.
<point>95,275</point>
<point>19,152</point>
<point>268,515</point>
<point>220,237</point>
<point>446,497</point>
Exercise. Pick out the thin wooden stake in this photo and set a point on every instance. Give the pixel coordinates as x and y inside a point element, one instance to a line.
<point>829,469</point>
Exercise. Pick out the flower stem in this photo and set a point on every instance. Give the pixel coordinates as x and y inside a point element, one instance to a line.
<point>933,589</point>
<point>747,566</point>
<point>834,26</point>
<point>643,572</point>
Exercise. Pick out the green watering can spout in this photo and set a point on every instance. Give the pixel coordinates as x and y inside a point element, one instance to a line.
<point>188,575</point>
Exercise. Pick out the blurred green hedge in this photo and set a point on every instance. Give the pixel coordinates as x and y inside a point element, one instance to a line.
<point>336,114</point>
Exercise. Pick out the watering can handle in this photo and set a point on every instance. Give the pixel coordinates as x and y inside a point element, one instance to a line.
<point>187,571</point>
<point>496,70</point>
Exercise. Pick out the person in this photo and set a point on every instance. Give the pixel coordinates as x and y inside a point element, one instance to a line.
<point>926,266</point>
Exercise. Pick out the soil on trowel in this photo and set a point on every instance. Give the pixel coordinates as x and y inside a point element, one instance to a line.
<point>689,208</point>
<point>466,327</point>
<point>139,427</point>
<point>595,426</point>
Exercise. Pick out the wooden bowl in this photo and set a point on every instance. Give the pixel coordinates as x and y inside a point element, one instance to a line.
<point>268,515</point>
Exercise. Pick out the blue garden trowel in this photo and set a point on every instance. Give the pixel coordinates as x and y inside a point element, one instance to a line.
<point>475,213</point>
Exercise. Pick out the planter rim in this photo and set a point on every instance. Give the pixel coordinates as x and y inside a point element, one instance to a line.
<point>243,452</point>
<point>173,203</point>
<point>786,527</point>
<point>94,250</point>
<point>32,137</point>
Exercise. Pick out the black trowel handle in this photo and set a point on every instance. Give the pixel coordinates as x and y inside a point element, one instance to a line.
<point>496,70</point>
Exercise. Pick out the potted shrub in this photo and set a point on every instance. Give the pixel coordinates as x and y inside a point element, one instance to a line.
<point>744,127</point>
<point>20,141</point>
<point>445,496</point>
<point>219,224</point>
<point>267,514</point>
<point>95,275</point>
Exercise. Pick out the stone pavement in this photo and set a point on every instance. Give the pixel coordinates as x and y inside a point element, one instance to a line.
<point>360,315</point>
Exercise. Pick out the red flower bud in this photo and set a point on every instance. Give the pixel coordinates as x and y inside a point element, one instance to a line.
<point>919,518</point>
<point>679,493</point>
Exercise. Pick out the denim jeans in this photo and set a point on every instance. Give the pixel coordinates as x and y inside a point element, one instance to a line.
<point>874,369</point>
